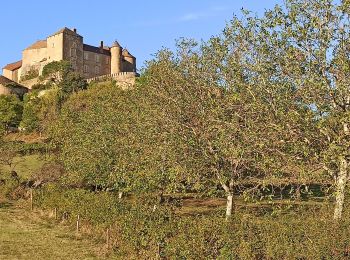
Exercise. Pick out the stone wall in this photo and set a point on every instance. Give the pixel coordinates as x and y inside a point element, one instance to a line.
<point>8,74</point>
<point>94,60</point>
<point>124,79</point>
<point>55,47</point>
<point>73,50</point>
<point>32,59</point>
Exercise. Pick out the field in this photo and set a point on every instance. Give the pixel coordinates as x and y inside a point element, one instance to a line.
<point>25,236</point>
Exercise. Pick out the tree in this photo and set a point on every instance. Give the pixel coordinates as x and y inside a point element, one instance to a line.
<point>61,73</point>
<point>100,136</point>
<point>310,51</point>
<point>209,124</point>
<point>42,105</point>
<point>10,111</point>
<point>40,109</point>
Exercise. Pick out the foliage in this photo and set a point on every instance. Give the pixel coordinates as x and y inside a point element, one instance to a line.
<point>42,105</point>
<point>61,74</point>
<point>40,109</point>
<point>71,82</point>
<point>138,230</point>
<point>100,134</point>
<point>10,111</point>
<point>30,74</point>
<point>52,69</point>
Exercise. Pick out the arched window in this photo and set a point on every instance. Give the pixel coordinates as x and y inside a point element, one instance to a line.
<point>97,70</point>
<point>86,68</point>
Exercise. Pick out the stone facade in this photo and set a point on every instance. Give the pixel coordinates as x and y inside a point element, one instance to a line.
<point>66,44</point>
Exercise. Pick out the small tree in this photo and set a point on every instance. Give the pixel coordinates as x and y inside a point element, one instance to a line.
<point>10,111</point>
<point>61,74</point>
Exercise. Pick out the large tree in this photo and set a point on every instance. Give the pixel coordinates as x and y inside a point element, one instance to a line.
<point>214,120</point>
<point>309,49</point>
<point>304,46</point>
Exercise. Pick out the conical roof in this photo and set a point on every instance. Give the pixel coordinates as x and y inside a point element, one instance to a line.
<point>116,44</point>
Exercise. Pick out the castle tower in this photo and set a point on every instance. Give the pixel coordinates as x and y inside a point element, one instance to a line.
<point>130,64</point>
<point>116,58</point>
<point>66,44</point>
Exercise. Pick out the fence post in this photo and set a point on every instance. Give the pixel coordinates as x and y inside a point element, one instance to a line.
<point>107,238</point>
<point>78,223</point>
<point>55,213</point>
<point>31,199</point>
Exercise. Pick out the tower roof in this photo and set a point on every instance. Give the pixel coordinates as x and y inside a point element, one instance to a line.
<point>65,30</point>
<point>37,45</point>
<point>116,44</point>
<point>126,53</point>
<point>13,66</point>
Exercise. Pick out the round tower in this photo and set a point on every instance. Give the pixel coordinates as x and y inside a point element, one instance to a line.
<point>130,59</point>
<point>116,58</point>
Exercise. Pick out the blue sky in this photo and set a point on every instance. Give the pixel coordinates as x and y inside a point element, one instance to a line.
<point>142,26</point>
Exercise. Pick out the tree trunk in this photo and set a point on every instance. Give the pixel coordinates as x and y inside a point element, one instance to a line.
<point>229,205</point>
<point>340,189</point>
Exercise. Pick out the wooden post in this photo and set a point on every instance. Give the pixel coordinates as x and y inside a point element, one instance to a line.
<point>31,199</point>
<point>107,238</point>
<point>158,253</point>
<point>55,213</point>
<point>78,223</point>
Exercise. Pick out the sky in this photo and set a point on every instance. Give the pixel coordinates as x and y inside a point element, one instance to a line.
<point>142,26</point>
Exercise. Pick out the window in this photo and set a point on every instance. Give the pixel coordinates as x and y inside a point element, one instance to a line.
<point>107,60</point>
<point>86,68</point>
<point>97,70</point>
<point>97,57</point>
<point>53,45</point>
<point>86,56</point>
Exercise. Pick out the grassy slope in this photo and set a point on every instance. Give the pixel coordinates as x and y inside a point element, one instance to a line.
<point>25,166</point>
<point>24,237</point>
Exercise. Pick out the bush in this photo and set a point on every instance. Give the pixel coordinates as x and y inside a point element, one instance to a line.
<point>40,110</point>
<point>10,111</point>
<point>31,74</point>
<point>10,185</point>
<point>141,230</point>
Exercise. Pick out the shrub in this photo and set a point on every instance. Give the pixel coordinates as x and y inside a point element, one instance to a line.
<point>10,111</point>
<point>31,74</point>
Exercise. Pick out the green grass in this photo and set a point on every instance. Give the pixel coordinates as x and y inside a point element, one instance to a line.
<point>22,236</point>
<point>25,166</point>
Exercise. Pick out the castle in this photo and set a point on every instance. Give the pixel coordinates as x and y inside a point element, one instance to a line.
<point>66,44</point>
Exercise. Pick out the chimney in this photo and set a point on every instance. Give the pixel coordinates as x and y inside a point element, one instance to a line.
<point>75,30</point>
<point>101,44</point>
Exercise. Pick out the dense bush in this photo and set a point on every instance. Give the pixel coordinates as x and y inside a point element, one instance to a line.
<point>10,111</point>
<point>40,110</point>
<point>139,230</point>
<point>30,74</point>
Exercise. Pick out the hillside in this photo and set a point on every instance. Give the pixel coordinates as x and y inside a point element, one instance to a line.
<point>26,236</point>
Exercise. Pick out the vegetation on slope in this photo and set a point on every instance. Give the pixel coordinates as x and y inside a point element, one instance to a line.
<point>259,113</point>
